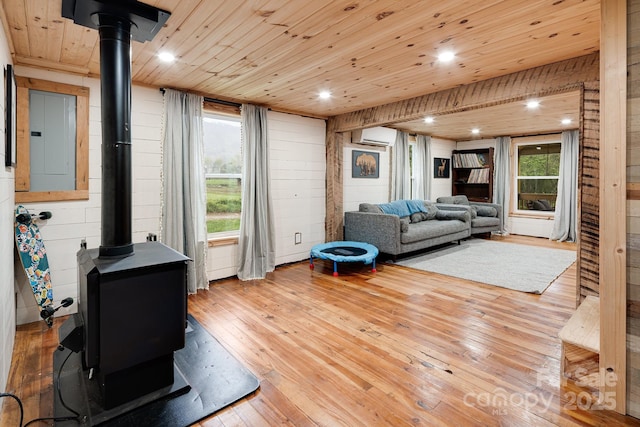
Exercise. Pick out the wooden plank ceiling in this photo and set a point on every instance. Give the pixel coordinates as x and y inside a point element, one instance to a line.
<point>282,53</point>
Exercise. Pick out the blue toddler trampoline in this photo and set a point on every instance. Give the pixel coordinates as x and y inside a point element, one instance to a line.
<point>344,252</point>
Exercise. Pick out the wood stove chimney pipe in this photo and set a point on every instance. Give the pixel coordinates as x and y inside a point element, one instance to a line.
<point>117,22</point>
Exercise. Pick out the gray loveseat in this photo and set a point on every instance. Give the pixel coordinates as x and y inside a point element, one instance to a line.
<point>399,233</point>
<point>485,217</point>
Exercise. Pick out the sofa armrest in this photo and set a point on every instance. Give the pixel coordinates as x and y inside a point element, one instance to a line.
<point>379,230</point>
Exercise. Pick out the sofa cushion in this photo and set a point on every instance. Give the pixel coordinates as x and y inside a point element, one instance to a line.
<point>431,229</point>
<point>460,199</point>
<point>369,207</point>
<point>404,224</point>
<point>485,221</point>
<point>486,210</point>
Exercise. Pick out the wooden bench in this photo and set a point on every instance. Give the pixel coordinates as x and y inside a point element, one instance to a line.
<point>581,343</point>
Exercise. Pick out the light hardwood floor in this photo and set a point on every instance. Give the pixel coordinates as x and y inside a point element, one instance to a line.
<point>399,347</point>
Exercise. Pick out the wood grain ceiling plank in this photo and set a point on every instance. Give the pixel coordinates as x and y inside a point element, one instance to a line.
<point>17,21</point>
<point>285,22</point>
<point>38,27</point>
<point>385,75</point>
<point>219,33</point>
<point>380,42</point>
<point>55,30</point>
<point>189,19</point>
<point>391,57</point>
<point>397,85</point>
<point>289,60</point>
<point>216,45</point>
<point>393,80</point>
<point>79,44</point>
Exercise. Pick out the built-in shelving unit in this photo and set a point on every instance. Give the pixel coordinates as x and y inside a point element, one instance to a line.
<point>473,174</point>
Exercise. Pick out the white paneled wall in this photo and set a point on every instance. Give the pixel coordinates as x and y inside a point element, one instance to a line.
<point>7,297</point>
<point>298,168</point>
<point>298,171</point>
<point>74,221</point>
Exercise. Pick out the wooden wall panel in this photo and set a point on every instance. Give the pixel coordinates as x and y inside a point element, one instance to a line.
<point>613,252</point>
<point>633,207</point>
<point>334,181</point>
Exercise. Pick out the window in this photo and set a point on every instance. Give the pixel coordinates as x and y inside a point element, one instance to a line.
<point>49,167</point>
<point>223,169</point>
<point>537,171</point>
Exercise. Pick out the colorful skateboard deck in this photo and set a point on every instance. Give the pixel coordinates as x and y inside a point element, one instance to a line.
<point>33,257</point>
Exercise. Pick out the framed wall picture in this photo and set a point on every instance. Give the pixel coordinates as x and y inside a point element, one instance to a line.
<point>441,167</point>
<point>364,164</point>
<point>10,118</point>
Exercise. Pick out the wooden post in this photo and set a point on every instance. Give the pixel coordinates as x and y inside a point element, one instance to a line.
<point>334,199</point>
<point>613,88</point>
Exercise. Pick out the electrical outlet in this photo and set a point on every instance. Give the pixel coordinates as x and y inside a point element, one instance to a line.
<point>297,238</point>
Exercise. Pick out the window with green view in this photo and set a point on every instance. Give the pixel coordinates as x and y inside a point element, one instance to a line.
<point>223,169</point>
<point>538,169</point>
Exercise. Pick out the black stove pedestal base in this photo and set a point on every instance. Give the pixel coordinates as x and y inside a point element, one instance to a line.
<point>207,378</point>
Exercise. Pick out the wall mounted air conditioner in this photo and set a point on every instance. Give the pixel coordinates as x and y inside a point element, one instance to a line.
<point>378,136</point>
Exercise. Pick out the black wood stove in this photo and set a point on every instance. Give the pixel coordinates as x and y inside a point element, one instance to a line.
<point>132,297</point>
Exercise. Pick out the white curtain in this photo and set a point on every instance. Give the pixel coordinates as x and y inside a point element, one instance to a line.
<point>501,178</point>
<point>184,207</point>
<point>257,239</point>
<point>564,224</point>
<point>401,179</point>
<point>422,173</point>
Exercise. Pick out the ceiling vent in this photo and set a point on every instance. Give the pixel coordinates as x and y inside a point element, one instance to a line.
<point>378,136</point>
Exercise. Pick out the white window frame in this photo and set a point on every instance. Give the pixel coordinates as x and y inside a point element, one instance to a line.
<point>222,237</point>
<point>515,144</point>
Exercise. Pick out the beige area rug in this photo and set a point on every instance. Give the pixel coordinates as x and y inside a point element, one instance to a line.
<point>508,265</point>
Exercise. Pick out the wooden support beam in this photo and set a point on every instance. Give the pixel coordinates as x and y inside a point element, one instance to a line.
<point>613,92</point>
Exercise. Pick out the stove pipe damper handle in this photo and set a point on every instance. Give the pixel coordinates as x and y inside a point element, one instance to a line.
<point>115,90</point>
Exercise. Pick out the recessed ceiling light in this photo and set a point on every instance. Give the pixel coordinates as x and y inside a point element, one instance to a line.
<point>166,57</point>
<point>566,121</point>
<point>429,119</point>
<point>325,94</point>
<point>446,56</point>
<point>533,104</point>
<point>475,131</point>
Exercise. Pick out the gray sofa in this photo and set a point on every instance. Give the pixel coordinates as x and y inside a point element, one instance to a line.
<point>397,234</point>
<point>485,217</point>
